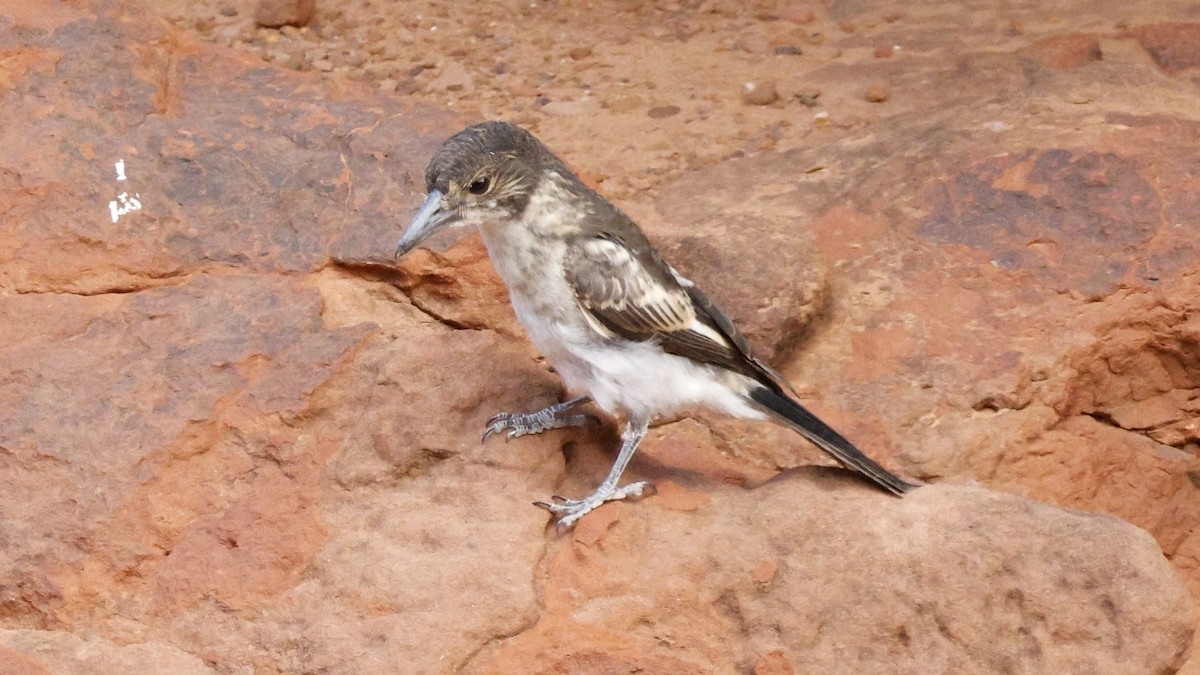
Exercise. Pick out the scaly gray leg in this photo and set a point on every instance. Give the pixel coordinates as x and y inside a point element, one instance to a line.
<point>571,510</point>
<point>551,417</point>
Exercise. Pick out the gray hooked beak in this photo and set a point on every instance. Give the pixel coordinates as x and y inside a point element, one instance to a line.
<point>425,224</point>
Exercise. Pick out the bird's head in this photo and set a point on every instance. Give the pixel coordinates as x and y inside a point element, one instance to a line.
<point>484,173</point>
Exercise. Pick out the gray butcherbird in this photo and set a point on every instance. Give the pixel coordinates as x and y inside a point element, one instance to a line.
<point>620,325</point>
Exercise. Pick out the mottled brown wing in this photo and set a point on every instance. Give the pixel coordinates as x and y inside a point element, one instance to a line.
<point>632,294</point>
<point>754,366</point>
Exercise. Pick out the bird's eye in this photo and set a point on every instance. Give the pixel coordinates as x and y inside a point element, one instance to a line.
<point>480,186</point>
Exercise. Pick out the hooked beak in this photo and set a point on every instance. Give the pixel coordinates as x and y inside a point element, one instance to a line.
<point>425,224</point>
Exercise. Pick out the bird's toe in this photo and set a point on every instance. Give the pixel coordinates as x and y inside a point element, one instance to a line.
<point>569,511</point>
<point>642,488</point>
<point>561,506</point>
<point>499,422</point>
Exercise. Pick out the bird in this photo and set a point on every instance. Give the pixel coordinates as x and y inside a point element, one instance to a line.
<point>622,327</point>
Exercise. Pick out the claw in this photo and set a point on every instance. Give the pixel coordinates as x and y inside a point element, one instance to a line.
<point>569,511</point>
<point>495,425</point>
<point>559,504</point>
<point>532,423</point>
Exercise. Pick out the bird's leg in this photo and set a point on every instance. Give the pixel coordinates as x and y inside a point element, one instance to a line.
<point>571,510</point>
<point>550,417</point>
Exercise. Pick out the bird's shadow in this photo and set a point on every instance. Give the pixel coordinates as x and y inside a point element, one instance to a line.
<point>590,453</point>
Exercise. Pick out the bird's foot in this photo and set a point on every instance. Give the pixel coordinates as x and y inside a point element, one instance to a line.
<point>569,511</point>
<point>523,424</point>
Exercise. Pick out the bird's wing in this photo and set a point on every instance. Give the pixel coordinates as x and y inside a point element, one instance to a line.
<point>628,291</point>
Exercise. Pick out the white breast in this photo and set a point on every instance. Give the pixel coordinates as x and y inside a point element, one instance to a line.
<point>528,256</point>
<point>621,377</point>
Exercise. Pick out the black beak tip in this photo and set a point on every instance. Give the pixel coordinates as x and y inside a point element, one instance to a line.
<point>403,250</point>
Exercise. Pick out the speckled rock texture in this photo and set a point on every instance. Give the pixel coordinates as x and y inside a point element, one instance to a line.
<point>238,438</point>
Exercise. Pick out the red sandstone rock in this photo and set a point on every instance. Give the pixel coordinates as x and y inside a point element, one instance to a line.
<point>1175,47</point>
<point>848,595</point>
<point>16,663</point>
<point>35,652</point>
<point>797,13</point>
<point>1065,51</point>
<point>278,13</point>
<point>237,434</point>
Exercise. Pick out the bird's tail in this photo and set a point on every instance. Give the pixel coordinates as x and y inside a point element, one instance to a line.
<point>824,437</point>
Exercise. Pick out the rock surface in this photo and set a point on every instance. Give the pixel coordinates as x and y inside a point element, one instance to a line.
<point>278,13</point>
<point>238,438</point>
<point>951,579</point>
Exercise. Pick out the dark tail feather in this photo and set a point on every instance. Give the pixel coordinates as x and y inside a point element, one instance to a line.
<point>824,437</point>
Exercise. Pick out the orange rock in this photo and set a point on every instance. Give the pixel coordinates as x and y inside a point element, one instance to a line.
<point>774,663</point>
<point>16,663</point>
<point>764,571</point>
<point>1175,47</point>
<point>236,432</point>
<point>671,495</point>
<point>278,13</point>
<point>1065,51</point>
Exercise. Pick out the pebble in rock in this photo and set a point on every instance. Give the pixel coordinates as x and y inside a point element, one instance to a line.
<point>279,13</point>
<point>760,93</point>
<point>799,14</point>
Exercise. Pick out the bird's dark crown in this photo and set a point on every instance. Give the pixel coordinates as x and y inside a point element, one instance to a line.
<point>488,172</point>
<point>479,147</point>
